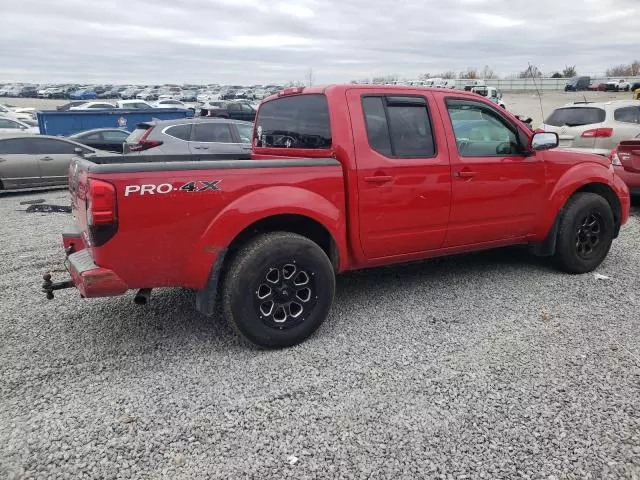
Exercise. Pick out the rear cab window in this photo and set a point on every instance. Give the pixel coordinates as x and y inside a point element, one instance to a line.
<point>294,122</point>
<point>575,116</point>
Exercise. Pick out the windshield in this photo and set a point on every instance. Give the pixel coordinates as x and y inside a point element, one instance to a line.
<point>575,116</point>
<point>300,121</point>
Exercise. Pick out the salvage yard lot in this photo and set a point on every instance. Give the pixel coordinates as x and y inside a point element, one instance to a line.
<point>491,365</point>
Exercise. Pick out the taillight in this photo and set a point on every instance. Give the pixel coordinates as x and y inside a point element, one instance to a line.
<point>597,133</point>
<point>144,143</point>
<point>102,214</point>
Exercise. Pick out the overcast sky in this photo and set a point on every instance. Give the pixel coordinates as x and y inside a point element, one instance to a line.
<point>264,41</point>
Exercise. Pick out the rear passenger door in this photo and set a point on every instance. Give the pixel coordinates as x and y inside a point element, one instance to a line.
<point>404,177</point>
<point>18,169</point>
<point>213,137</point>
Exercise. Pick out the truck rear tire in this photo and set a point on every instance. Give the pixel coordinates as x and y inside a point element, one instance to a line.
<point>278,290</point>
<point>585,234</point>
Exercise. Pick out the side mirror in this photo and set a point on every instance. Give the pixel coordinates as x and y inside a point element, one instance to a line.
<point>544,141</point>
<point>79,151</point>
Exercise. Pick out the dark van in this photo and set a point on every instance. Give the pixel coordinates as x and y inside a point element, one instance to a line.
<point>576,84</point>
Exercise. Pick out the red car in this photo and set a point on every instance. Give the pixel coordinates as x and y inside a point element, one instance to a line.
<point>626,163</point>
<point>597,87</point>
<point>342,177</point>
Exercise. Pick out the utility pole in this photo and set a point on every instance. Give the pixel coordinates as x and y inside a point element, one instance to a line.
<point>310,78</point>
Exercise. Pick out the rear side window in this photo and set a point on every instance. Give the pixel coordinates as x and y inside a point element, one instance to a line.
<point>300,121</point>
<point>181,132</point>
<point>627,115</point>
<point>575,116</point>
<point>399,126</point>
<point>13,146</point>
<point>244,130</point>
<point>212,133</point>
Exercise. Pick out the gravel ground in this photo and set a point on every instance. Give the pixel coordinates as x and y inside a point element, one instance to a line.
<point>481,366</point>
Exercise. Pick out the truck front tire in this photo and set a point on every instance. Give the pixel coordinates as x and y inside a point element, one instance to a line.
<point>585,234</point>
<point>278,290</point>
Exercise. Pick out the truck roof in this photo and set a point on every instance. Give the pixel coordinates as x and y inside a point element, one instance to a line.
<point>338,88</point>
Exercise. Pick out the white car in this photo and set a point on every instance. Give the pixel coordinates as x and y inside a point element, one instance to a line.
<point>94,106</point>
<point>492,93</point>
<point>25,115</point>
<point>12,125</point>
<point>170,103</point>
<point>133,104</point>
<point>620,84</point>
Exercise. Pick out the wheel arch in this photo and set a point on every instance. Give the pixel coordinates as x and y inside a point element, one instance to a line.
<point>547,247</point>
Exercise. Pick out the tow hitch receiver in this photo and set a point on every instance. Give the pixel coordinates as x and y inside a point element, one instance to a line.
<point>48,286</point>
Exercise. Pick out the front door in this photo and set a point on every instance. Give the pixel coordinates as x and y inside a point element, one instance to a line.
<point>404,177</point>
<point>497,185</point>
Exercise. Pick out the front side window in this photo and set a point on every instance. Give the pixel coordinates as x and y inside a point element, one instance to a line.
<point>399,126</point>
<point>212,133</point>
<point>627,115</point>
<point>244,131</point>
<point>299,121</point>
<point>480,131</point>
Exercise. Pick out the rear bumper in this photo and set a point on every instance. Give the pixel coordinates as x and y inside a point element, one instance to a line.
<point>90,279</point>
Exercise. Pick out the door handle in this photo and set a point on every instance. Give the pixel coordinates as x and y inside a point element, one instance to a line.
<point>378,179</point>
<point>465,174</point>
<point>46,159</point>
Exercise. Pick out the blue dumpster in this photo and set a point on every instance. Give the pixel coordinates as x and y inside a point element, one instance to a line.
<point>68,122</point>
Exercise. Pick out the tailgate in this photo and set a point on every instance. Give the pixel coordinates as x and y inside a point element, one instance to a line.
<point>629,155</point>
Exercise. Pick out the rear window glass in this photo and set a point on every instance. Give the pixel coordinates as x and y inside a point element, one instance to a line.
<point>137,134</point>
<point>575,116</point>
<point>300,121</point>
<point>181,132</point>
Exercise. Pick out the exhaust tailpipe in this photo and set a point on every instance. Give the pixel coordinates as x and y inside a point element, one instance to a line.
<point>142,297</point>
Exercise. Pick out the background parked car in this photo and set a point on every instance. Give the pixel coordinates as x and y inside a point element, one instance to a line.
<point>28,91</point>
<point>107,139</point>
<point>625,159</point>
<point>13,125</point>
<point>190,136</point>
<point>94,106</point>
<point>594,127</point>
<point>577,84</point>
<point>232,110</point>
<point>36,160</point>
<point>618,85</point>
<point>134,104</point>
<point>83,95</point>
<point>69,105</point>
<point>170,103</point>
<point>635,88</point>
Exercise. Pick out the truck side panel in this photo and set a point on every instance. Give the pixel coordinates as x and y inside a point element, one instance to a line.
<point>163,215</point>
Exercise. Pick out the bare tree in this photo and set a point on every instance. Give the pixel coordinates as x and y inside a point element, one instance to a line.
<point>488,73</point>
<point>619,71</point>
<point>531,71</point>
<point>635,68</point>
<point>447,74</point>
<point>470,74</point>
<point>569,71</point>
<point>424,76</point>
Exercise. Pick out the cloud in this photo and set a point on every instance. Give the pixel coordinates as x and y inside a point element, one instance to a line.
<point>252,41</point>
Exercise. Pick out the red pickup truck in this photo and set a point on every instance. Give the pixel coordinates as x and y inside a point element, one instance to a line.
<point>341,177</point>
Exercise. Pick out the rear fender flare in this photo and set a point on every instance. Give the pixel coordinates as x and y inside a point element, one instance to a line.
<point>263,203</point>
